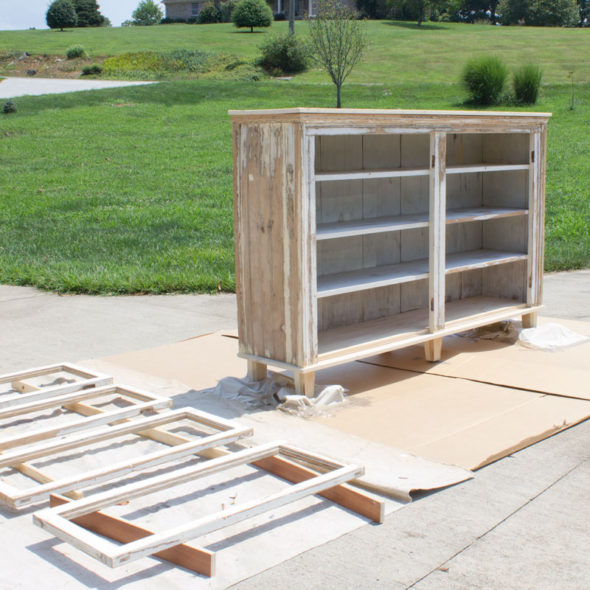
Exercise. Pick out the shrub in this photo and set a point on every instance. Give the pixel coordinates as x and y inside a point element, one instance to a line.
<point>283,54</point>
<point>210,14</point>
<point>484,78</point>
<point>8,107</point>
<point>147,13</point>
<point>193,20</point>
<point>75,52</point>
<point>92,70</point>
<point>279,16</point>
<point>539,13</point>
<point>252,13</point>
<point>61,14</point>
<point>526,82</point>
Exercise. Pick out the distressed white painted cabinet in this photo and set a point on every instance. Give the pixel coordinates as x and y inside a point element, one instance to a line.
<point>362,231</point>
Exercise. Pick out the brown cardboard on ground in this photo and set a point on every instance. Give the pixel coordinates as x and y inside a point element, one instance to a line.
<point>565,373</point>
<point>447,419</point>
<point>439,417</point>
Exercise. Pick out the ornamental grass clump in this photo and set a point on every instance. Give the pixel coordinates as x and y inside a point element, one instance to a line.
<point>526,82</point>
<point>484,79</point>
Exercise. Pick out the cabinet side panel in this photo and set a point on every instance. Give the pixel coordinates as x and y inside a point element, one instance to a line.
<point>265,185</point>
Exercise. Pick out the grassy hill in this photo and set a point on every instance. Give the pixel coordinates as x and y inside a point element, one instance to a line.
<point>130,189</point>
<point>399,52</point>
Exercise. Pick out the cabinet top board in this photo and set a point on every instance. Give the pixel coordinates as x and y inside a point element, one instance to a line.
<point>406,118</point>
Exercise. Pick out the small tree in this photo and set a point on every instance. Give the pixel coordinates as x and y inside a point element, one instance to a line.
<point>147,13</point>
<point>252,13</point>
<point>61,14</point>
<point>88,13</point>
<point>337,40</point>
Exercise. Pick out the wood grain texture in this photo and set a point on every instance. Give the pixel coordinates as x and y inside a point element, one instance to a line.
<point>195,559</point>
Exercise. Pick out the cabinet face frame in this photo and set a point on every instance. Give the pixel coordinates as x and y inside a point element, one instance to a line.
<point>339,122</point>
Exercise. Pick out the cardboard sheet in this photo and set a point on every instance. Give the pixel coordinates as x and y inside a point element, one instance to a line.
<point>565,373</point>
<point>448,420</point>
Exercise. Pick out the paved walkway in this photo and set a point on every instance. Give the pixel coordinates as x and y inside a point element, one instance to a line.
<point>13,87</point>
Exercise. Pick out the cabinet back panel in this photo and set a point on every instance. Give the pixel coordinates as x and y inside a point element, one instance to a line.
<point>414,244</point>
<point>415,150</point>
<point>506,148</point>
<point>506,280</point>
<point>414,295</point>
<point>339,152</point>
<point>414,195</point>
<point>506,189</point>
<point>488,148</point>
<point>463,284</point>
<point>339,201</point>
<point>381,197</point>
<point>464,191</point>
<point>509,234</point>
<point>354,308</point>
<point>464,148</point>
<point>462,237</point>
<point>381,152</point>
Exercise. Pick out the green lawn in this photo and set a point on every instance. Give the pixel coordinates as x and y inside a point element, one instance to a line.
<point>130,190</point>
<point>434,52</point>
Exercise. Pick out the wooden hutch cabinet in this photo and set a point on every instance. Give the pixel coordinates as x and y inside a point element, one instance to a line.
<point>363,231</point>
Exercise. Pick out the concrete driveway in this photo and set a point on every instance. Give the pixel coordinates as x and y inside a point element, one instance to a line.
<point>14,87</point>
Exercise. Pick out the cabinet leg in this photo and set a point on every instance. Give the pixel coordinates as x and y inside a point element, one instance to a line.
<point>305,384</point>
<point>433,350</point>
<point>256,371</point>
<point>529,320</point>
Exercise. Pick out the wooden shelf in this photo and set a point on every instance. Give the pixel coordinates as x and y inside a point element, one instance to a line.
<point>344,229</point>
<point>375,336</point>
<point>376,225</point>
<point>475,259</point>
<point>473,168</point>
<point>482,214</point>
<point>392,328</point>
<point>369,174</point>
<point>371,278</point>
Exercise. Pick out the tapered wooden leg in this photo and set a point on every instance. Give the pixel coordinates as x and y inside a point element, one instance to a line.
<point>256,371</point>
<point>305,384</point>
<point>433,350</point>
<point>529,320</point>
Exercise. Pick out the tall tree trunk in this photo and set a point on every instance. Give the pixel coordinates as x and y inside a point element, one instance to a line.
<point>291,17</point>
<point>338,101</point>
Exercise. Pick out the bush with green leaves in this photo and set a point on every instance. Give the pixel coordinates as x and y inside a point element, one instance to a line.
<point>484,78</point>
<point>283,54</point>
<point>61,15</point>
<point>147,13</point>
<point>539,13</point>
<point>76,52</point>
<point>526,82</point>
<point>210,14</point>
<point>88,13</point>
<point>8,107</point>
<point>92,70</point>
<point>252,13</point>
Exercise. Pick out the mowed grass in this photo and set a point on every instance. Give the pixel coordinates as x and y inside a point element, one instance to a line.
<point>130,189</point>
<point>398,52</point>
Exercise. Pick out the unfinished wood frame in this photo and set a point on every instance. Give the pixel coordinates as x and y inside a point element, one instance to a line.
<point>81,403</point>
<point>361,231</point>
<point>18,498</point>
<point>60,520</point>
<point>28,391</point>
